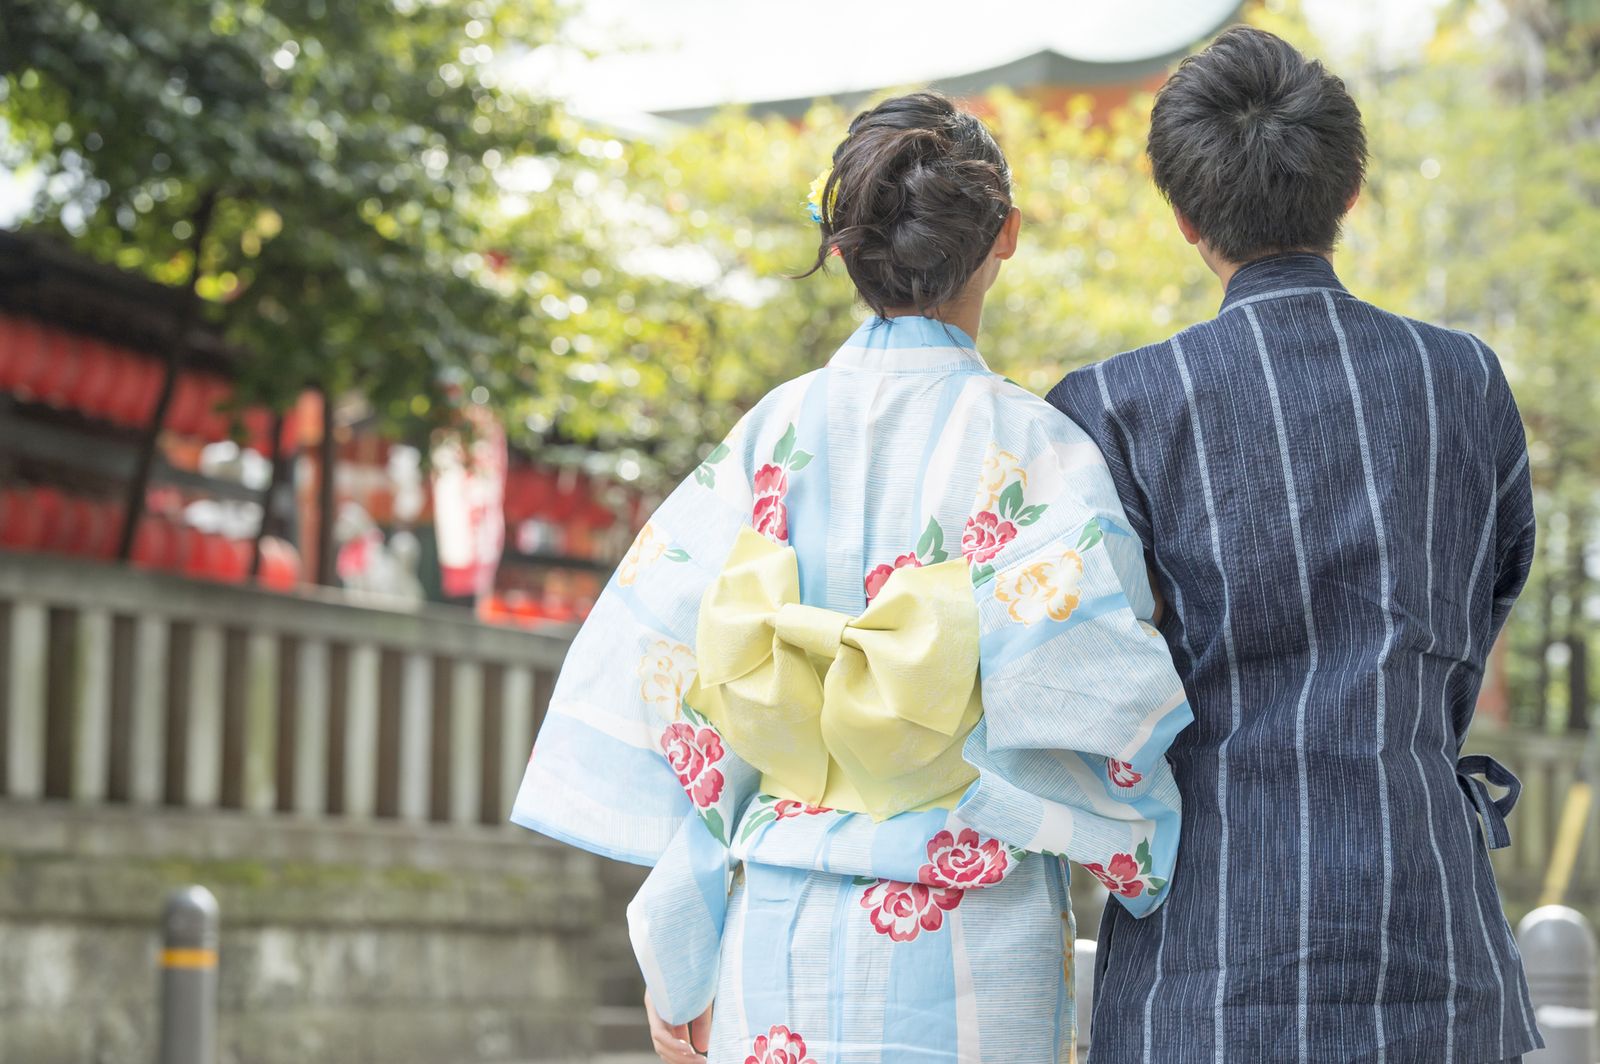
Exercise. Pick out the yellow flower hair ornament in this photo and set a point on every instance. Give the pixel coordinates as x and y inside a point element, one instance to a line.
<point>814,197</point>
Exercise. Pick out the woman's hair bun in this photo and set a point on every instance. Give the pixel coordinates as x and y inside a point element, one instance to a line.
<point>918,193</point>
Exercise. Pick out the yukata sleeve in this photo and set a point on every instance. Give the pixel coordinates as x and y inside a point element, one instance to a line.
<point>622,767</point>
<point>619,762</point>
<point>1513,505</point>
<point>1080,697</point>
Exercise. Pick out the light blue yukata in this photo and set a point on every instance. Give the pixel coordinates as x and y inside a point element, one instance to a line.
<point>930,936</point>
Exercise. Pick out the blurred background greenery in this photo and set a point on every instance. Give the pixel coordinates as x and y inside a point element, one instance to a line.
<point>363,195</point>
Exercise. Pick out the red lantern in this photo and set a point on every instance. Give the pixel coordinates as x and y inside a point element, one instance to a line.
<point>280,565</point>
<point>91,392</point>
<point>187,411</point>
<point>63,364</point>
<point>216,420</point>
<point>149,376</point>
<point>24,355</point>
<point>156,544</point>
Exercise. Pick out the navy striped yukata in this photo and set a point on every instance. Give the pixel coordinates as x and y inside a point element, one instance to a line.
<point>1336,504</point>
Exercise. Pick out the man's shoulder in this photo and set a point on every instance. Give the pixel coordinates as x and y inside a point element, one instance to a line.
<point>1139,369</point>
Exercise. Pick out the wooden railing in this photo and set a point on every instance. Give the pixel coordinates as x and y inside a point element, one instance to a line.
<point>123,686</point>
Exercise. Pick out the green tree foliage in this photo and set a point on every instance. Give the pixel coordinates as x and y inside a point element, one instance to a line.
<point>337,157</point>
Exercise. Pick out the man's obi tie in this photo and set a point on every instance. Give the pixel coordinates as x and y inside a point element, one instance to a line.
<point>1493,810</point>
<point>865,714</point>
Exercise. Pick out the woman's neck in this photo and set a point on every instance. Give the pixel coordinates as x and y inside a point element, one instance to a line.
<point>964,314</point>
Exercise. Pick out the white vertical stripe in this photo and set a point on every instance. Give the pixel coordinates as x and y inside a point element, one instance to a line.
<point>25,718</point>
<point>260,765</point>
<point>361,732</point>
<point>1381,533</point>
<point>91,706</point>
<point>1303,954</point>
<point>968,1046</point>
<point>311,729</point>
<point>1220,1046</point>
<point>466,740</point>
<point>1433,639</point>
<point>147,710</point>
<point>1477,349</point>
<point>1150,998</point>
<point>416,736</point>
<point>202,751</point>
<point>1511,477</point>
<point>516,730</point>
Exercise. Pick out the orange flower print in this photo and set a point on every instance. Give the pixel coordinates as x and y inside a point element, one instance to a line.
<point>1044,588</point>
<point>665,672</point>
<point>647,549</point>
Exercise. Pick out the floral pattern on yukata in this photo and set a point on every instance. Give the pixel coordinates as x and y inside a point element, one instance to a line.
<point>1128,874</point>
<point>999,509</point>
<point>695,749</point>
<point>964,860</point>
<point>666,671</point>
<point>778,1046</point>
<point>929,551</point>
<point>905,910</point>
<point>1121,773</point>
<point>647,549</point>
<point>769,515</point>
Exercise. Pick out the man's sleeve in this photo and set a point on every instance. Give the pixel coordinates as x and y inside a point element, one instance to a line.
<point>1513,505</point>
<point>1086,396</point>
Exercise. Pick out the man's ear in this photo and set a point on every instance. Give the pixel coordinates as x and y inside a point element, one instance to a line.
<point>1005,242</point>
<point>1350,204</point>
<point>1186,227</point>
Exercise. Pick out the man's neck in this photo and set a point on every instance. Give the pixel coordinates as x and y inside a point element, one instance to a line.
<point>1225,269</point>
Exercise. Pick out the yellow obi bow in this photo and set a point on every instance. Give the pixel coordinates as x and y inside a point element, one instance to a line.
<point>865,714</point>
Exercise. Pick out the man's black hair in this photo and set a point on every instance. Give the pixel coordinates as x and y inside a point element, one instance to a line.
<point>1260,148</point>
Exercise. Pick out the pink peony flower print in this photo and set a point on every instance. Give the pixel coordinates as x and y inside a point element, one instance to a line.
<point>1121,878</point>
<point>692,753</point>
<point>985,535</point>
<point>963,861</point>
<point>778,1046</point>
<point>880,575</point>
<point>904,910</point>
<point>769,516</point>
<point>788,807</point>
<point>1121,773</point>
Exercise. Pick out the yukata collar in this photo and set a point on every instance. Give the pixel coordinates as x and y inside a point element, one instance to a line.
<point>909,344</point>
<point>1294,273</point>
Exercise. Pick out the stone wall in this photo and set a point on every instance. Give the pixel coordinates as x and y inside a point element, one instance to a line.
<point>348,943</point>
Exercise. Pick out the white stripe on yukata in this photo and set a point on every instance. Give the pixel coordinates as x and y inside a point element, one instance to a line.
<point>1150,998</point>
<point>1382,535</point>
<point>1448,750</point>
<point>968,1046</point>
<point>1292,491</point>
<point>1511,480</point>
<point>1220,1048</point>
<point>1433,640</point>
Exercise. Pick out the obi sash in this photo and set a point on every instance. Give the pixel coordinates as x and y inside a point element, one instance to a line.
<point>861,714</point>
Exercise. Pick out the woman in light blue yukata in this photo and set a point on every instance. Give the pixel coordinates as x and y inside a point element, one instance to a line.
<point>874,671</point>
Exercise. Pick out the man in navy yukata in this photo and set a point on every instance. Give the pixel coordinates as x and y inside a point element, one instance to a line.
<point>1336,509</point>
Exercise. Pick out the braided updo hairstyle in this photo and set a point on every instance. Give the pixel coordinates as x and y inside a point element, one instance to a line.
<point>918,193</point>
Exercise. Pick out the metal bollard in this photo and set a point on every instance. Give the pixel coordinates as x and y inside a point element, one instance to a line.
<point>189,977</point>
<point>1083,958</point>
<point>1558,952</point>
